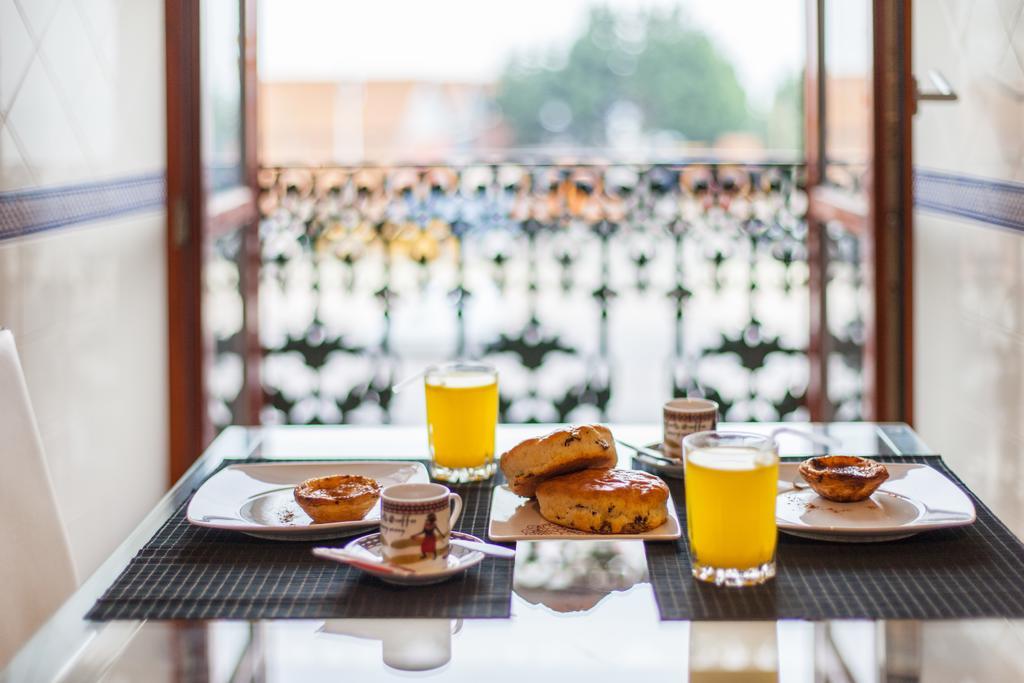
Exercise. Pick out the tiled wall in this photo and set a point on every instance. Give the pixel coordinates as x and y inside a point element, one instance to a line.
<point>82,281</point>
<point>969,272</point>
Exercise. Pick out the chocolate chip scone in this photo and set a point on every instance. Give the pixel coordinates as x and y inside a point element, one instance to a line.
<point>605,501</point>
<point>560,452</point>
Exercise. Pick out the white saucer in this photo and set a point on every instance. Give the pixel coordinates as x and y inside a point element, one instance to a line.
<point>674,471</point>
<point>421,573</point>
<point>913,499</point>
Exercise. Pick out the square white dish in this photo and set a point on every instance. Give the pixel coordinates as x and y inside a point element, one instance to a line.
<point>256,498</point>
<point>514,518</point>
<point>913,499</point>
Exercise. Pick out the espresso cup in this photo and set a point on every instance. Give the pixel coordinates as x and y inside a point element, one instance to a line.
<point>416,522</point>
<point>685,416</point>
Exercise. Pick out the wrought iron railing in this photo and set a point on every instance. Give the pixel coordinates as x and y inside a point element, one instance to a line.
<point>598,291</point>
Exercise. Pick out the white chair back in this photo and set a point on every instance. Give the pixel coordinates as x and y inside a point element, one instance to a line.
<point>36,570</point>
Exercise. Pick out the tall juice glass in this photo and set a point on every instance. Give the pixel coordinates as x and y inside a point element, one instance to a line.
<point>462,413</point>
<point>731,484</point>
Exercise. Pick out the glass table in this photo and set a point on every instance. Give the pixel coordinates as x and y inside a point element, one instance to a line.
<point>579,608</point>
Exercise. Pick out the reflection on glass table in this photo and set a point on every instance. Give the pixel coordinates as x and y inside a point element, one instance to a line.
<point>573,576</point>
<point>406,644</point>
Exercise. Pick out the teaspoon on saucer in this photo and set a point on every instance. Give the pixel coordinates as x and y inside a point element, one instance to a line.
<point>485,548</point>
<point>361,562</point>
<point>650,453</point>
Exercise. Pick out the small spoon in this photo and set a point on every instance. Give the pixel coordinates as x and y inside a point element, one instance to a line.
<point>409,380</point>
<point>361,562</point>
<point>485,548</point>
<point>222,518</point>
<point>650,453</point>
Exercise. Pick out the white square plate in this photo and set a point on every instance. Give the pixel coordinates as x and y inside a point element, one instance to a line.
<point>914,498</point>
<point>257,499</point>
<point>514,518</point>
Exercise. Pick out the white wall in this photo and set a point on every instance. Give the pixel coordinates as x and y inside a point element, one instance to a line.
<point>969,274</point>
<point>82,100</point>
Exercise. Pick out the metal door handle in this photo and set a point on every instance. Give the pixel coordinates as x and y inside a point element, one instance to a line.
<point>943,92</point>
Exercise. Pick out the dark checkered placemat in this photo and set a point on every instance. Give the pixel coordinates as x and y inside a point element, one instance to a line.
<point>190,572</point>
<point>966,572</point>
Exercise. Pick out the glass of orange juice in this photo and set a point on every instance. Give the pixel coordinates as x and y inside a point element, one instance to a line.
<point>731,484</point>
<point>462,414</point>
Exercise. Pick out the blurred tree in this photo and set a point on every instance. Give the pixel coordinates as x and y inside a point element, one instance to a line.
<point>649,65</point>
<point>784,128</point>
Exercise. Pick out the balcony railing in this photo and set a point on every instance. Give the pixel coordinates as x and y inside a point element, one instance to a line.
<point>597,291</point>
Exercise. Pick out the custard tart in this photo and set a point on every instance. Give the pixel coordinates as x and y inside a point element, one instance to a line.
<point>843,478</point>
<point>338,497</point>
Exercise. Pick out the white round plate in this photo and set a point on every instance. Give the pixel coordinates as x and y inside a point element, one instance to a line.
<point>915,498</point>
<point>672,471</point>
<point>256,498</point>
<point>805,508</point>
<point>369,547</point>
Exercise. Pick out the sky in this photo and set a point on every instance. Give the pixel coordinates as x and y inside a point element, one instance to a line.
<point>472,40</point>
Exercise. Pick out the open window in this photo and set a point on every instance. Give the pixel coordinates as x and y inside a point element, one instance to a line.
<point>858,109</point>
<point>709,244</point>
<point>212,217</point>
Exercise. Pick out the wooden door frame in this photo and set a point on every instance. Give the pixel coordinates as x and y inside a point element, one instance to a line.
<point>192,220</point>
<point>883,221</point>
<point>891,216</point>
<point>250,282</point>
<point>185,207</point>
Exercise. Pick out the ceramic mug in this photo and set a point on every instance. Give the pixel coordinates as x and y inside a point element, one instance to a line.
<point>685,416</point>
<point>416,521</point>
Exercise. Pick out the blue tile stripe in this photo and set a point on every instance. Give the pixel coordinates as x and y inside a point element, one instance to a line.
<point>988,201</point>
<point>24,212</point>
